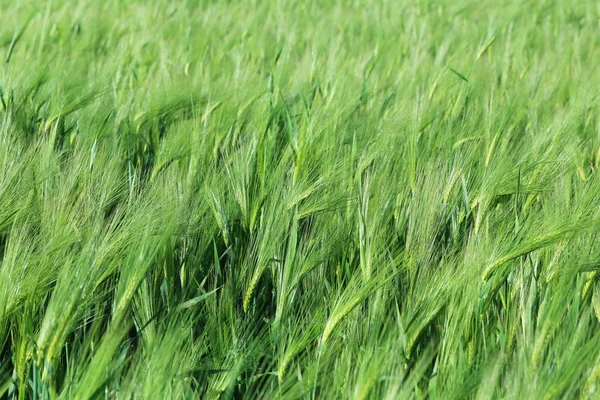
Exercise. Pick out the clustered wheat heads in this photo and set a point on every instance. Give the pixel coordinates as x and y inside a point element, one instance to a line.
<point>299,199</point>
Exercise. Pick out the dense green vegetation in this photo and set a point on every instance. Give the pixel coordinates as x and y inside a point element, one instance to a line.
<point>299,199</point>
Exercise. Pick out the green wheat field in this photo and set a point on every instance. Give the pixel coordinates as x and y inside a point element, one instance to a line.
<point>299,199</point>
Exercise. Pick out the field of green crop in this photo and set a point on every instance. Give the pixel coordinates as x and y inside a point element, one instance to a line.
<point>292,199</point>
